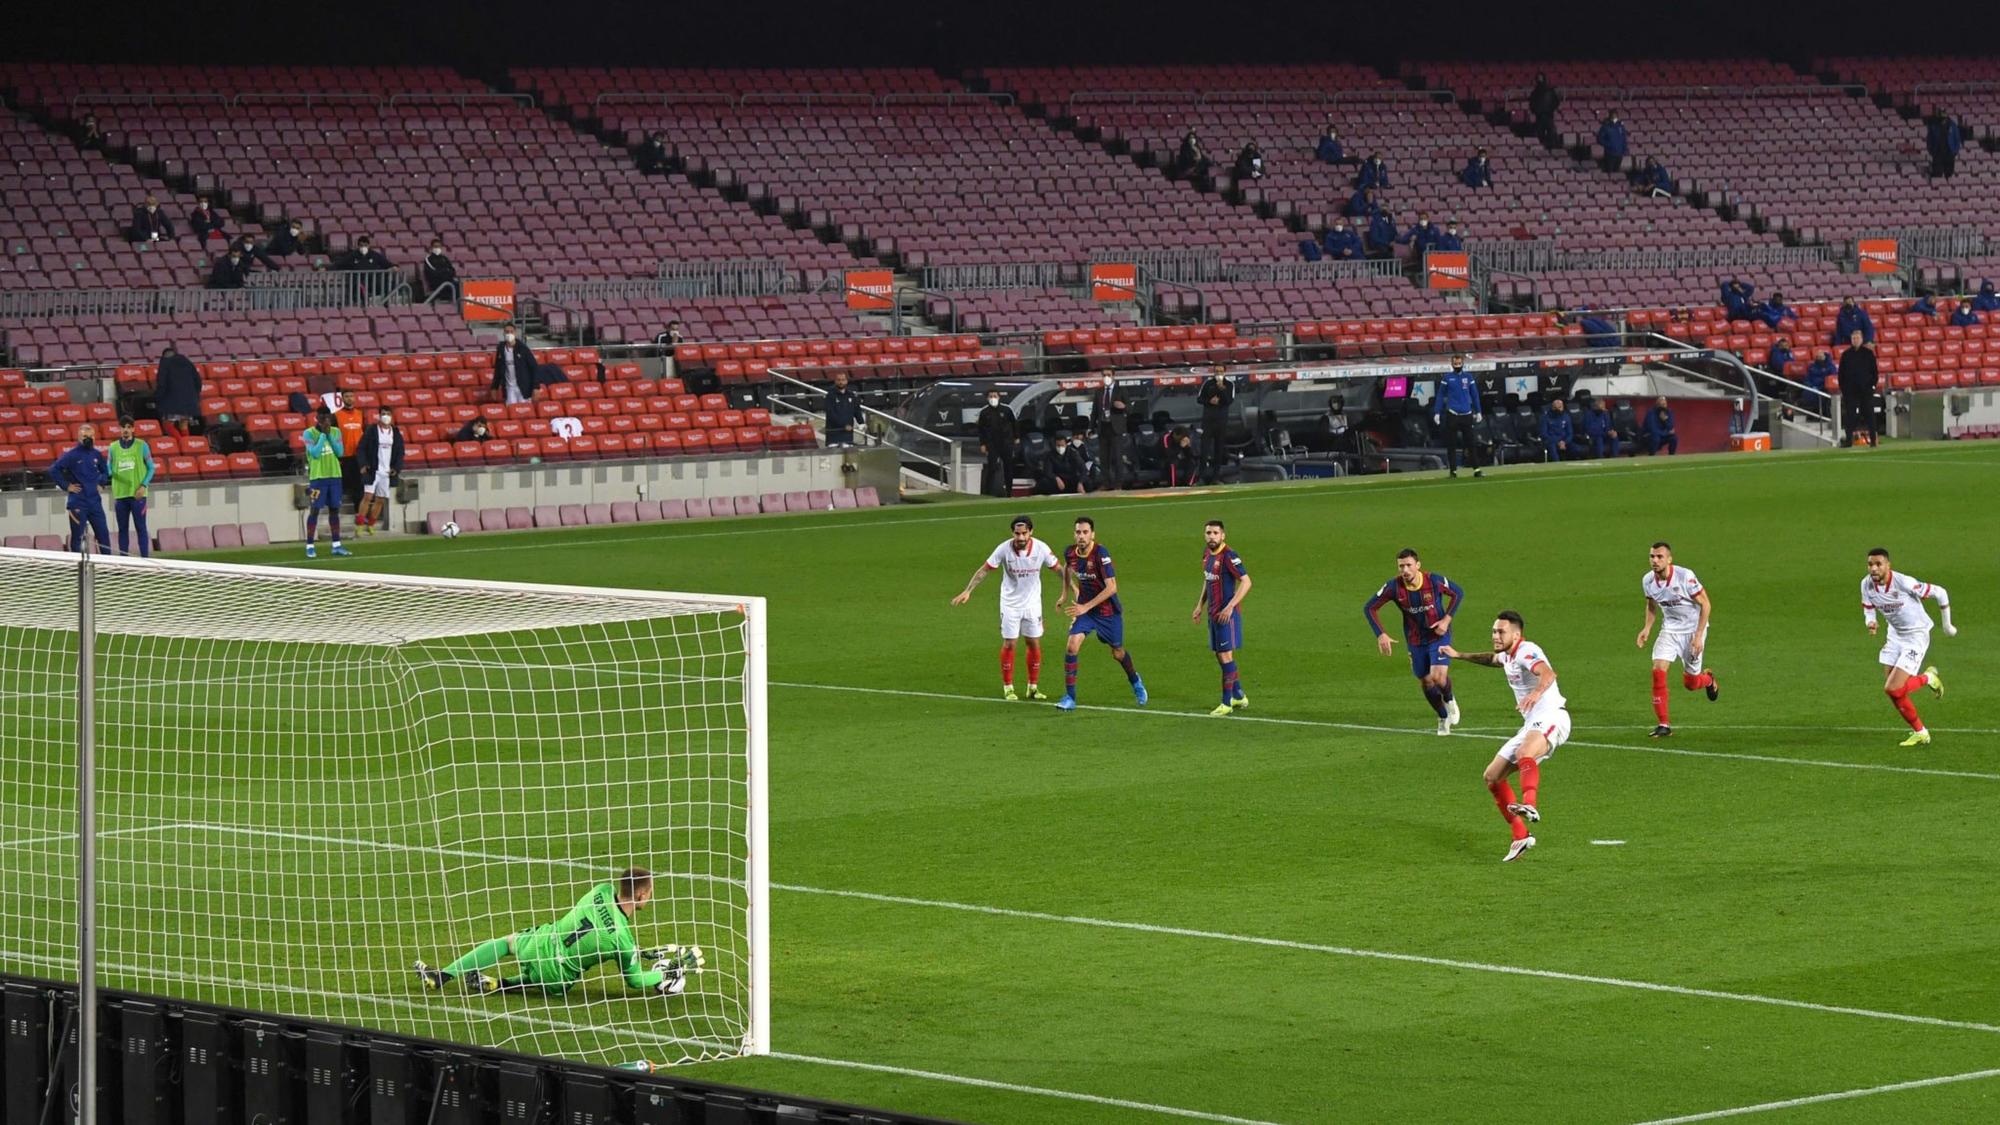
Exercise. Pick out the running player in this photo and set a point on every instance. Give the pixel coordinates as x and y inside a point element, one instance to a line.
<point>1224,585</point>
<point>1023,557</point>
<point>1545,726</point>
<point>553,958</point>
<point>1899,600</point>
<point>1090,586</point>
<point>1680,601</point>
<point>1428,602</point>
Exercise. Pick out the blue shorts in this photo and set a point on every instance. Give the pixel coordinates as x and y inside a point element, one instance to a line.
<point>1110,630</point>
<point>1425,657</point>
<point>1225,638</point>
<point>328,494</point>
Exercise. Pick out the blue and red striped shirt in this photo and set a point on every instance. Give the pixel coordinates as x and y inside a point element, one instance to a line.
<point>1435,598</point>
<point>1091,569</point>
<point>1221,570</point>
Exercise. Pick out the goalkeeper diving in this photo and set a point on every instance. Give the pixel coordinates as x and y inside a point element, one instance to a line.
<point>552,959</point>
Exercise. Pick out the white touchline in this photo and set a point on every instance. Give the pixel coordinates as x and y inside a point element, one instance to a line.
<point>1426,735</point>
<point>1608,843</point>
<point>1841,1096</point>
<point>1179,931</point>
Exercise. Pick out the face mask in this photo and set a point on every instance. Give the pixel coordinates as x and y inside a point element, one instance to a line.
<point>86,441</point>
<point>510,337</point>
<point>993,401</point>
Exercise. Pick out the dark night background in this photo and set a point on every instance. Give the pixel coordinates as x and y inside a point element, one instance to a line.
<point>486,36</point>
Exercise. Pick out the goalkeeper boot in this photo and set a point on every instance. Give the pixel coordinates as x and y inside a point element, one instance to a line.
<point>1917,738</point>
<point>1139,691</point>
<point>1007,693</point>
<point>434,979</point>
<point>342,551</point>
<point>1035,692</point>
<point>1936,685</point>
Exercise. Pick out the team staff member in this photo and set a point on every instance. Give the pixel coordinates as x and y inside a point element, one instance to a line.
<point>82,472</point>
<point>1457,410</point>
<point>131,462</point>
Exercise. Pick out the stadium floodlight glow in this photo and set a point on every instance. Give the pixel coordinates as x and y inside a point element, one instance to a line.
<point>306,780</point>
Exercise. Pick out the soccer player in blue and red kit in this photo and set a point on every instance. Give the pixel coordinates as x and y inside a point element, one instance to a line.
<point>1090,587</point>
<point>1427,602</point>
<point>1224,585</point>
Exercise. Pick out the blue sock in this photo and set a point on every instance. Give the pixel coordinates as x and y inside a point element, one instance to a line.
<point>1069,674</point>
<point>1232,683</point>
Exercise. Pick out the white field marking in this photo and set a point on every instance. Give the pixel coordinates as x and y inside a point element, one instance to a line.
<point>1882,728</point>
<point>70,837</point>
<point>1936,461</point>
<point>1357,488</point>
<point>1248,939</point>
<point>636,1035</point>
<point>1426,734</point>
<point>1608,843</point>
<point>1844,1095</point>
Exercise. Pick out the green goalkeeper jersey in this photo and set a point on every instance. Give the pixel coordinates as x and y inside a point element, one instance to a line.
<point>593,932</point>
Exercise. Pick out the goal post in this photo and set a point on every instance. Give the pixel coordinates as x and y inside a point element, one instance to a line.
<point>307,780</point>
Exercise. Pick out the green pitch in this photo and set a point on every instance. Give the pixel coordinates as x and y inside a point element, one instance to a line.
<point>997,912</point>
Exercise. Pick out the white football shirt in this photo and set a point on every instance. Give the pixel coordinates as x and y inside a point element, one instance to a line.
<point>1021,575</point>
<point>1675,597</point>
<point>1900,601</point>
<point>1519,663</point>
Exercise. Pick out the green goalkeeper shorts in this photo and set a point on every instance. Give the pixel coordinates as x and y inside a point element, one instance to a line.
<point>539,954</point>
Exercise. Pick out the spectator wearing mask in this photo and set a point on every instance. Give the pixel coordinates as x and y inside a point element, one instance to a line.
<point>247,242</point>
<point>1924,306</point>
<point>1108,412</point>
<point>1191,160</point>
<point>997,430</point>
<point>1543,101</point>
<point>1775,312</point>
<point>1065,470</point>
<point>1857,379</point>
<point>1942,139</point>
<point>1381,235</point>
<point>475,430</point>
<point>1600,436</point>
<point>1659,429</point>
<point>1986,300</point>
<point>1421,236</point>
<point>1736,299</point>
<point>513,368</point>
<point>1374,173</point>
<point>1653,179</point>
<point>436,273</point>
<point>1450,238</point>
<point>1250,162</point>
<point>1851,319</point>
<point>1779,357</point>
<point>1183,464</point>
<point>653,154</point>
<point>1329,149</point>
<point>365,256</point>
<point>150,224</point>
<point>88,135</point>
<point>290,239</point>
<point>1963,316</point>
<point>1342,243</point>
<point>83,472</point>
<point>1819,371</point>
<point>843,412</point>
<point>231,271</point>
<point>1363,205</point>
<point>1478,171</point>
<point>1558,431</point>
<point>205,221</point>
<point>1216,395</point>
<point>1615,140</point>
<point>177,390</point>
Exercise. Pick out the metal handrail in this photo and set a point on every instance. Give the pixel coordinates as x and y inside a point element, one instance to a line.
<point>462,98</point>
<point>110,97</point>
<point>306,96</point>
<point>1690,93</point>
<point>779,97</point>
<point>664,97</point>
<point>950,470</point>
<point>945,97</point>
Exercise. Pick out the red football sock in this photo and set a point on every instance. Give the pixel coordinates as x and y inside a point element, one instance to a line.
<point>1503,795</point>
<point>1034,665</point>
<point>1916,684</point>
<point>1660,695</point>
<point>1007,665</point>
<point>1696,683</point>
<point>1905,708</point>
<point>1531,780</point>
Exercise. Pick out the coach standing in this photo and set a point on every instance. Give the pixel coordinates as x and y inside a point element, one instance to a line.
<point>1216,394</point>
<point>996,440</point>
<point>843,411</point>
<point>1109,414</point>
<point>1858,379</point>
<point>1457,410</point>
<point>82,473</point>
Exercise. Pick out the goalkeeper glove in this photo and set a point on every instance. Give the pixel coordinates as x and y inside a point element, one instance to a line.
<point>675,963</point>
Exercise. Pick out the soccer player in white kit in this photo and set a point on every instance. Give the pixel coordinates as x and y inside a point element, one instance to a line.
<point>1678,597</point>
<point>1899,600</point>
<point>1545,725</point>
<point>1023,558</point>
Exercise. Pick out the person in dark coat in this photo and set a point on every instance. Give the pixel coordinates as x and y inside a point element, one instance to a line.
<point>177,390</point>
<point>1963,316</point>
<point>1216,395</point>
<point>365,256</point>
<point>843,411</point>
<point>1451,238</point>
<point>150,223</point>
<point>1851,319</point>
<point>1659,429</point>
<point>513,368</point>
<point>1558,431</point>
<point>476,430</point>
<point>1780,356</point>
<point>653,155</point>
<point>1858,378</point>
<point>231,271</point>
<point>1736,304</point>
<point>89,135</point>
<point>247,243</point>
<point>1942,139</point>
<point>1820,372</point>
<point>1342,243</point>
<point>1108,412</point>
<point>436,270</point>
<point>290,239</point>
<point>1478,172</point>
<point>1183,464</point>
<point>1330,150</point>
<point>1381,235</point>
<point>1654,179</point>
<point>1363,205</point>
<point>1191,161</point>
<point>1774,312</point>
<point>1374,173</point>
<point>1065,471</point>
<point>997,430</point>
<point>1615,140</point>
<point>205,221</point>
<point>1986,300</point>
<point>1923,306</point>
<point>1543,101</point>
<point>1600,435</point>
<point>1249,162</point>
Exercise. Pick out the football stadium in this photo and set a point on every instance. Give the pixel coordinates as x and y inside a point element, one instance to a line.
<point>652,566</point>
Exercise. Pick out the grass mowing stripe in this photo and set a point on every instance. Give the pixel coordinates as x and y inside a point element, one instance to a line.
<point>1414,732</point>
<point>1816,1099</point>
<point>1207,935</point>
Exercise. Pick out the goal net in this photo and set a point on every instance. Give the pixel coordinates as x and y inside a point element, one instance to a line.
<point>307,781</point>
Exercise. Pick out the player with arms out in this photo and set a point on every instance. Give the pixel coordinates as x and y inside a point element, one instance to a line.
<point>1899,600</point>
<point>554,958</point>
<point>1224,585</point>
<point>1545,726</point>
<point>1022,558</point>
<point>1679,600</point>
<point>1427,602</point>
<point>1090,587</point>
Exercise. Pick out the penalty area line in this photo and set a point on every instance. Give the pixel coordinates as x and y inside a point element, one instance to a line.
<point>1817,1099</point>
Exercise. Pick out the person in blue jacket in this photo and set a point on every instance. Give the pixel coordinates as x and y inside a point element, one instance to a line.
<point>1659,429</point>
<point>1851,319</point>
<point>83,472</point>
<point>1942,139</point>
<point>1330,149</point>
<point>1454,413</point>
<point>1653,179</point>
<point>1342,243</point>
<point>1478,171</point>
<point>1987,300</point>
<point>1736,299</point>
<point>1963,316</point>
<point>1600,436</point>
<point>1616,141</point>
<point>1363,204</point>
<point>1598,332</point>
<point>1779,355</point>
<point>1923,306</point>
<point>1309,249</point>
<point>1775,312</point>
<point>1421,236</point>
<point>1450,238</point>
<point>1557,431</point>
<point>1374,172</point>
<point>1381,236</point>
<point>1820,370</point>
